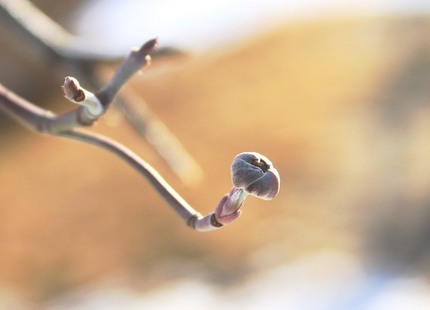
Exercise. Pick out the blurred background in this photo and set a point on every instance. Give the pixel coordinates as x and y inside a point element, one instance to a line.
<point>336,93</point>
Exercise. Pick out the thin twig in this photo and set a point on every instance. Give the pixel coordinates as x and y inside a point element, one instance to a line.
<point>160,185</point>
<point>36,118</point>
<point>159,136</point>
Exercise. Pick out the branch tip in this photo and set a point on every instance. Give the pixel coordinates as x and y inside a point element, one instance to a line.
<point>72,89</point>
<point>149,46</point>
<point>74,92</point>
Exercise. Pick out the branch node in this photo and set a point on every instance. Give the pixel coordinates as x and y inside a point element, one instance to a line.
<point>192,221</point>
<point>214,221</point>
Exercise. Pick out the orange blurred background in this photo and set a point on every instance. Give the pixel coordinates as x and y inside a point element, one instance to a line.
<point>340,106</point>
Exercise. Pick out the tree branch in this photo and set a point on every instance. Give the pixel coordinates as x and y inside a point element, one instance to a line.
<point>252,173</point>
<point>227,210</point>
<point>178,204</point>
<point>66,48</point>
<point>48,34</point>
<point>38,119</point>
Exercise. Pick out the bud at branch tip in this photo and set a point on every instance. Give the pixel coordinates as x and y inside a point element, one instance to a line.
<point>73,91</point>
<point>149,46</point>
<point>252,174</point>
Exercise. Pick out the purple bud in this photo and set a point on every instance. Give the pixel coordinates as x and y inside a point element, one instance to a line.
<point>255,174</point>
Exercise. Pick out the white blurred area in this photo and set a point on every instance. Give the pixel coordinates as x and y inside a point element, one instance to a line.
<point>202,25</point>
<point>324,281</point>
